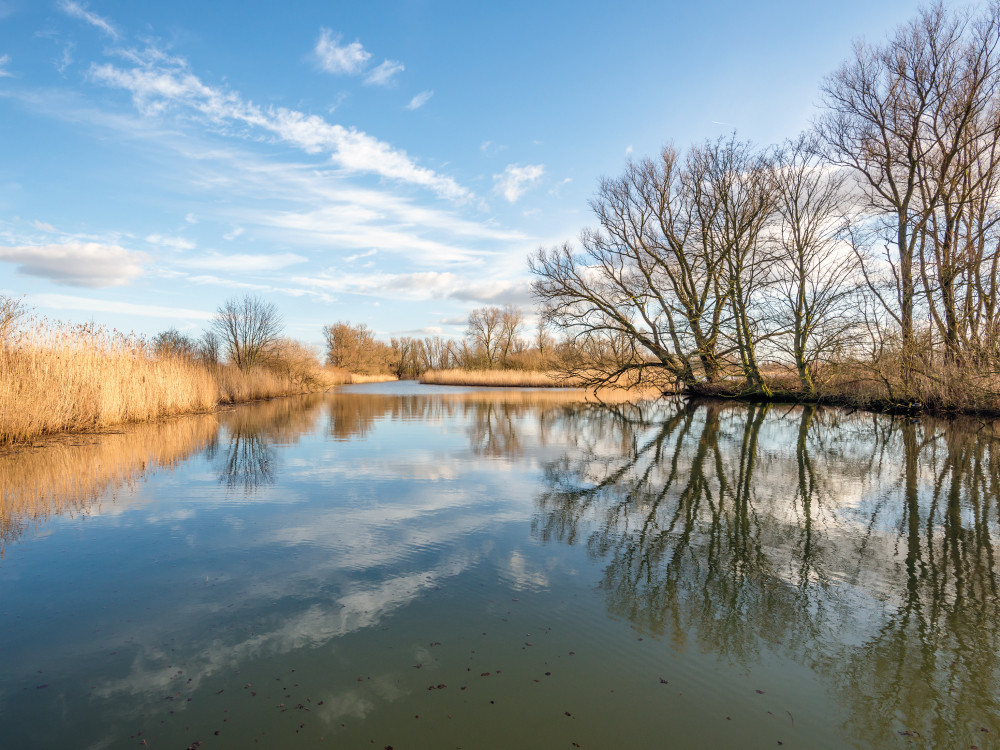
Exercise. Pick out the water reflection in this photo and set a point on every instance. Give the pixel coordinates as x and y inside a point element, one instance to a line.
<point>246,457</point>
<point>80,474</point>
<point>858,545</point>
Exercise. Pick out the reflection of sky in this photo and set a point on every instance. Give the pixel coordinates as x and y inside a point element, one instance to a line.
<point>349,533</point>
<point>188,580</point>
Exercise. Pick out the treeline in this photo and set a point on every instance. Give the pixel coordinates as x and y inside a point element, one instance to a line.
<point>859,259</point>
<point>495,340</point>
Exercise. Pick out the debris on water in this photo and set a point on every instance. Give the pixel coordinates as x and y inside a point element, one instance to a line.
<point>567,713</point>
<point>435,643</point>
<point>663,682</point>
<point>548,674</point>
<point>43,685</point>
<point>760,692</point>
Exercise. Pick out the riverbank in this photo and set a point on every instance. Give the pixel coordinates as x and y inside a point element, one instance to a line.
<point>498,378</point>
<point>946,393</point>
<point>78,379</point>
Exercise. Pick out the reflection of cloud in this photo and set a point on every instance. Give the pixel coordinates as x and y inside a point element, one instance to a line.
<point>521,577</point>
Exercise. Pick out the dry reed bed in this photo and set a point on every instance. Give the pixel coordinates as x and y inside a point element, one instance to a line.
<point>501,378</point>
<point>57,377</point>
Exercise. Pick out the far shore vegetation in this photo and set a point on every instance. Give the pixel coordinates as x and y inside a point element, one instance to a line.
<point>857,264</point>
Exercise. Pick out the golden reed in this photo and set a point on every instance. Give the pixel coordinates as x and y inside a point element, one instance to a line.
<point>58,377</point>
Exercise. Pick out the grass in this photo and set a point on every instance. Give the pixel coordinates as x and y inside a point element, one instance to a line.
<point>58,377</point>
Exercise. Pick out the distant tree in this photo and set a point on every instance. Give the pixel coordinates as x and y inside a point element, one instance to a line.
<point>11,311</point>
<point>173,343</point>
<point>209,348</point>
<point>355,349</point>
<point>249,328</point>
<point>483,329</point>
<point>511,322</point>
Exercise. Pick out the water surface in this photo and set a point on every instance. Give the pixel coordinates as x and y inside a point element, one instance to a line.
<point>429,567</point>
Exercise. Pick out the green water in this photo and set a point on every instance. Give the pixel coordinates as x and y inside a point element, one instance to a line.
<point>417,567</point>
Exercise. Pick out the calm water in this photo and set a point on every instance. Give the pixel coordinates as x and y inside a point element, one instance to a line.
<point>423,567</point>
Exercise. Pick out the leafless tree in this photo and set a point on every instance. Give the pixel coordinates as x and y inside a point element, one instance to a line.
<point>815,270</point>
<point>11,312</point>
<point>486,330</point>
<point>173,343</point>
<point>737,192</point>
<point>249,328</point>
<point>900,115</point>
<point>354,348</point>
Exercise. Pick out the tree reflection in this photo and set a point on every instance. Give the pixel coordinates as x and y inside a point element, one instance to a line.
<point>858,545</point>
<point>246,457</point>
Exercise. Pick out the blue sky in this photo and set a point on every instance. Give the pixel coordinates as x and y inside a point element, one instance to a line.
<point>385,163</point>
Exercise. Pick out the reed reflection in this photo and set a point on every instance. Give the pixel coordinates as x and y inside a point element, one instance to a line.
<point>858,545</point>
<point>81,474</point>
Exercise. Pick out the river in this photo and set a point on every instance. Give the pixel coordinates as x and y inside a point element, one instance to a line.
<point>409,566</point>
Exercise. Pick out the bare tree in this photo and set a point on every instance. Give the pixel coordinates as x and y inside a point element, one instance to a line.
<point>509,344</point>
<point>815,269</point>
<point>900,115</point>
<point>486,331</point>
<point>173,343</point>
<point>11,312</point>
<point>355,349</point>
<point>249,328</point>
<point>209,347</point>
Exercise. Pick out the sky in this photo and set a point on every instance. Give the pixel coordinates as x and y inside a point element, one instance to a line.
<point>391,164</point>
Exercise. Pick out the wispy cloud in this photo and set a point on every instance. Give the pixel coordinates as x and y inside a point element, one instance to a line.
<point>357,256</point>
<point>349,59</point>
<point>4,62</point>
<point>171,243</point>
<point>420,100</point>
<point>80,11</point>
<point>382,75</point>
<point>232,235</point>
<point>515,180</point>
<point>422,285</point>
<point>69,302</point>
<point>87,264</point>
<point>159,84</point>
<point>244,262</point>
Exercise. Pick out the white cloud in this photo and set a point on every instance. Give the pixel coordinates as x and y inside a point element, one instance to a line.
<point>191,218</point>
<point>160,83</point>
<point>76,10</point>
<point>68,302</point>
<point>420,100</point>
<point>246,263</point>
<point>173,243</point>
<point>560,185</point>
<point>628,150</point>
<point>347,60</point>
<point>88,264</point>
<point>4,62</point>
<point>382,74</point>
<point>43,225</point>
<point>515,180</point>
<point>356,256</point>
<point>421,285</point>
<point>236,232</point>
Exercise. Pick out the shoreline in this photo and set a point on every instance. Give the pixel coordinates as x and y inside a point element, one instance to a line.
<point>873,405</point>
